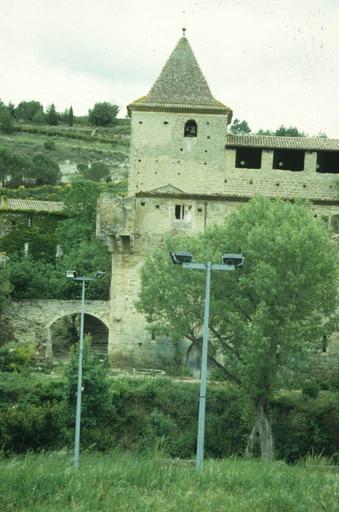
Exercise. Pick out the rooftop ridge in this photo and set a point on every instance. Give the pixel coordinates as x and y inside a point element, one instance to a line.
<point>274,141</point>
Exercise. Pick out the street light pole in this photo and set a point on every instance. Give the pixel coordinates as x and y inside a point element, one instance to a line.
<point>79,385</point>
<point>229,262</point>
<point>71,274</point>
<point>203,374</point>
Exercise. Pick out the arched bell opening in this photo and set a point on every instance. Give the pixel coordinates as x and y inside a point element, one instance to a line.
<point>191,128</point>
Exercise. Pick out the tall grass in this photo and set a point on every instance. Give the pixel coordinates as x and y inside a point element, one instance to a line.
<point>115,482</point>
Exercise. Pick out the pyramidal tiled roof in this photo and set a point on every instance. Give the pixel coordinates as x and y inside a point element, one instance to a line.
<point>181,86</point>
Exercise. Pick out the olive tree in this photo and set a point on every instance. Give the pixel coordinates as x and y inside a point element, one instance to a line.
<point>267,318</point>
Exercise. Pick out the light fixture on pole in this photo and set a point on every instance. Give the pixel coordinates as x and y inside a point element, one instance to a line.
<point>229,262</point>
<point>72,274</point>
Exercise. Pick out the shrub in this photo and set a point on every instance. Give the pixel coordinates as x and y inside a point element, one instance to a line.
<point>15,357</point>
<point>96,390</point>
<point>30,427</point>
<point>49,144</point>
<point>311,389</point>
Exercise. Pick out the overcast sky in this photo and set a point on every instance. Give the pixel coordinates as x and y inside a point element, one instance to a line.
<point>272,61</point>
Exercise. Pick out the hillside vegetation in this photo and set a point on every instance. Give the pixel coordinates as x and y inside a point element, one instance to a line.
<point>70,146</point>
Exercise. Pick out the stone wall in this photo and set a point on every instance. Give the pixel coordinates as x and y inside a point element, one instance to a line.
<point>149,217</point>
<point>32,319</point>
<point>160,154</point>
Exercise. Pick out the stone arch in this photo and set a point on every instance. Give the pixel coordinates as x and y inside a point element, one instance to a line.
<point>191,128</point>
<point>63,333</point>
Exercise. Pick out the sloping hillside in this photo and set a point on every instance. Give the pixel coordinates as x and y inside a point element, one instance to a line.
<point>71,146</point>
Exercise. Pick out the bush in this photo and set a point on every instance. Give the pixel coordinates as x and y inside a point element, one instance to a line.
<point>30,427</point>
<point>49,144</point>
<point>95,401</point>
<point>311,389</point>
<point>141,415</point>
<point>16,357</point>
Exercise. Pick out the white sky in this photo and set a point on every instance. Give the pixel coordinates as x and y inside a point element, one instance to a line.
<point>272,61</point>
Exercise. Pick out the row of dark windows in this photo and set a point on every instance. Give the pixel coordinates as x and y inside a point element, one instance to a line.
<point>287,159</point>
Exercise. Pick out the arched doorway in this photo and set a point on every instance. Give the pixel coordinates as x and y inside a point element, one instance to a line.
<point>65,333</point>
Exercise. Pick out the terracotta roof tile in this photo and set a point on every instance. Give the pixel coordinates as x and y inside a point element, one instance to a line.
<point>273,142</point>
<point>29,204</point>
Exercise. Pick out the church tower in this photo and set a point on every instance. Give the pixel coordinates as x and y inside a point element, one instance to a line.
<point>178,130</point>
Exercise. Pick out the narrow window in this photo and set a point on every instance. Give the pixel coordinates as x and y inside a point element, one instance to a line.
<point>179,211</point>
<point>288,159</point>
<point>183,212</point>
<point>191,128</point>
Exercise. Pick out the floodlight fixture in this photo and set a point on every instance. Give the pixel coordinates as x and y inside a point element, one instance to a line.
<point>181,257</point>
<point>236,260</point>
<point>71,274</point>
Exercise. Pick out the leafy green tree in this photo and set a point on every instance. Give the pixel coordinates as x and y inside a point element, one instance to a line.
<point>266,318</point>
<point>11,109</point>
<point>39,116</point>
<point>44,170</point>
<point>27,109</point>
<point>34,279</point>
<point>52,116</point>
<point>103,114</point>
<point>97,172</point>
<point>264,132</point>
<point>239,127</point>
<point>5,286</point>
<point>291,131</point>
<point>13,167</point>
<point>6,121</point>
<point>96,396</point>
<point>70,116</point>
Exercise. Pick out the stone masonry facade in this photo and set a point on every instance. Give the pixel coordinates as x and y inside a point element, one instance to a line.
<point>187,173</point>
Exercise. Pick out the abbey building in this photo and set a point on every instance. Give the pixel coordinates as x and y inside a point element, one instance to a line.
<point>186,172</point>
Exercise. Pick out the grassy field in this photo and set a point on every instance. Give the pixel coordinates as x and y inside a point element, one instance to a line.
<point>115,482</point>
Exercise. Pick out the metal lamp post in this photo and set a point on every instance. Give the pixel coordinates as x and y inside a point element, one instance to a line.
<point>72,274</point>
<point>229,262</point>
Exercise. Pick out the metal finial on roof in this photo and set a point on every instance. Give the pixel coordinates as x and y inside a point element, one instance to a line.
<point>183,31</point>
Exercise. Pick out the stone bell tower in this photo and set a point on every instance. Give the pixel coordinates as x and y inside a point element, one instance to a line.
<point>178,130</point>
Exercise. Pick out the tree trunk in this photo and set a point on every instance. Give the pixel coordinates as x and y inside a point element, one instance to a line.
<point>265,433</point>
<point>253,439</point>
<point>262,434</point>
